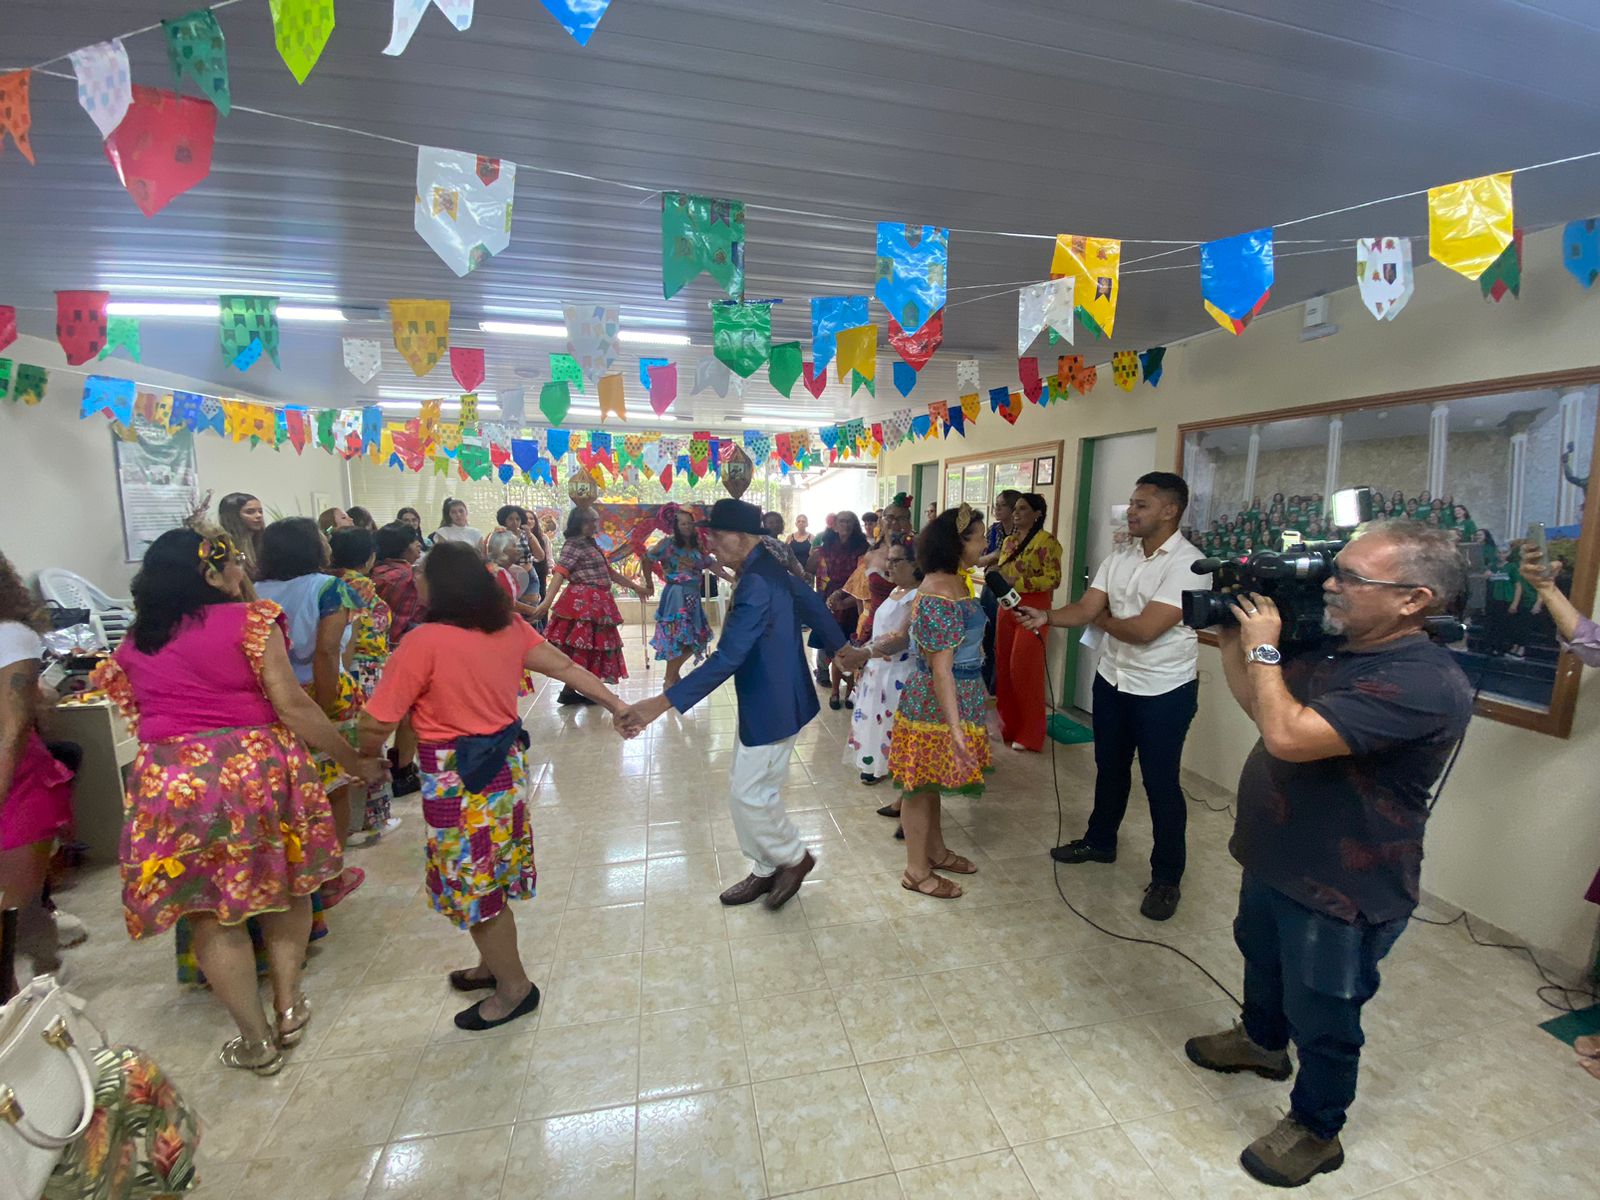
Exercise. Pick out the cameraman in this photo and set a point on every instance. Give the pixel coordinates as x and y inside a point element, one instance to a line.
<point>1331,808</point>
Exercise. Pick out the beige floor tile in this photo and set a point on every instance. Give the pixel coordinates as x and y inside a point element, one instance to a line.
<point>891,1018</point>
<point>841,900</point>
<point>428,952</point>
<point>667,838</point>
<point>1194,1152</point>
<point>818,1130</point>
<point>688,977</point>
<point>580,1156</point>
<point>996,1176</point>
<point>690,875</point>
<point>691,1147</point>
<point>599,932</point>
<point>1148,979</point>
<point>1099,1164</point>
<point>856,953</point>
<point>684,919</point>
<point>771,966</point>
<point>592,989</point>
<point>385,1016</point>
<point>1131,1071</point>
<point>335,1175</point>
<point>1033,1089</point>
<point>690,1050</point>
<point>468,1166</point>
<point>467,1085</point>
<point>221,1181</point>
<point>756,920</point>
<point>930,1110</point>
<point>238,1109</point>
<point>981,1004</point>
<point>577,1067</point>
<point>365,1091</point>
<point>1066,991</point>
<point>797,1034</point>
<point>619,883</point>
<point>618,844</point>
<point>879,1187</point>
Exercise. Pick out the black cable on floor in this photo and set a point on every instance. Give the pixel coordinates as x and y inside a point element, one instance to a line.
<point>1550,985</point>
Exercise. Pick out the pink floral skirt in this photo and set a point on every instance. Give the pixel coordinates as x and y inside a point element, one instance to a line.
<point>39,807</point>
<point>232,822</point>
<point>584,626</point>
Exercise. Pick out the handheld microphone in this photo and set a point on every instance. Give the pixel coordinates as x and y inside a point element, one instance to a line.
<point>1005,594</point>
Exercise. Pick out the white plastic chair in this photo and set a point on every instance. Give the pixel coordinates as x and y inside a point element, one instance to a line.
<point>109,615</point>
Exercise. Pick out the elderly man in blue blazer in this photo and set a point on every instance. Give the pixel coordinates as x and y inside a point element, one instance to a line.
<point>761,648</point>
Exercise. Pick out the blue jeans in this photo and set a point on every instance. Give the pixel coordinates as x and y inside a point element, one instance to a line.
<point>1306,976</point>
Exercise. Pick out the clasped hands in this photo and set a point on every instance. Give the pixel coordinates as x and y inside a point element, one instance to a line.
<point>633,718</point>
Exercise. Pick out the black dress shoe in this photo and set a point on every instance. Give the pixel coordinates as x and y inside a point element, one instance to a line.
<point>406,780</point>
<point>463,981</point>
<point>751,887</point>
<point>1160,901</point>
<point>474,1020</point>
<point>1081,852</point>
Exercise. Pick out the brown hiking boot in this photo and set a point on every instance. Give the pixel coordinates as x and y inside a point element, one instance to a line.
<point>751,887</point>
<point>1233,1051</point>
<point>1291,1155</point>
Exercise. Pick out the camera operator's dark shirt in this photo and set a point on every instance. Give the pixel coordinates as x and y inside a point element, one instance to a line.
<point>1344,835</point>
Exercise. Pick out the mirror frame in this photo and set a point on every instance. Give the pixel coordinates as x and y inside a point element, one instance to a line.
<point>1556,720</point>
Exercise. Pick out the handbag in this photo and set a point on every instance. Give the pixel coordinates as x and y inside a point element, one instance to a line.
<point>47,1083</point>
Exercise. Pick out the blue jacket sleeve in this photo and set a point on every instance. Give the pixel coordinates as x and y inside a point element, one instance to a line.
<point>746,621</point>
<point>825,632</point>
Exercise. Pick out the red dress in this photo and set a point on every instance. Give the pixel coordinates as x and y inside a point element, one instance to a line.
<point>585,621</point>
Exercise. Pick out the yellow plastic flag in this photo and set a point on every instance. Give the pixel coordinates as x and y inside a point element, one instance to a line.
<point>301,29</point>
<point>1470,223</point>
<point>421,331</point>
<point>1125,369</point>
<point>971,406</point>
<point>858,351</point>
<point>612,397</point>
<point>1094,265</point>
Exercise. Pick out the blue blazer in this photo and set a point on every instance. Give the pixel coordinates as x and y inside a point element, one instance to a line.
<point>762,649</point>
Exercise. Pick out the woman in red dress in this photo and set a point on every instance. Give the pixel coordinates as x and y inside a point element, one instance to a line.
<point>583,618</point>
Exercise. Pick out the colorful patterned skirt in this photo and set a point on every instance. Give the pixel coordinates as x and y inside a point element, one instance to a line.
<point>380,796</point>
<point>346,717</point>
<point>480,848</point>
<point>584,625</point>
<point>231,822</point>
<point>877,700</point>
<point>921,757</point>
<point>681,625</point>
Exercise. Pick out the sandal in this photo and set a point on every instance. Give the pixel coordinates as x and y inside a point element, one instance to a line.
<point>263,1057</point>
<point>1587,1047</point>
<point>933,885</point>
<point>292,1022</point>
<point>338,890</point>
<point>955,863</point>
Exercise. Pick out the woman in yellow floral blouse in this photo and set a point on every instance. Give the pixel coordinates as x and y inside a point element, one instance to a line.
<point>1030,559</point>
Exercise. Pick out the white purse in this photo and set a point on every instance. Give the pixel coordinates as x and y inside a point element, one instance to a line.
<point>46,1083</point>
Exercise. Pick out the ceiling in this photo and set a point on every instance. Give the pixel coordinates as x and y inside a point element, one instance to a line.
<point>1148,119</point>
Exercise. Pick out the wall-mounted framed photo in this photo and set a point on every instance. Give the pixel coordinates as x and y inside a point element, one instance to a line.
<point>1484,461</point>
<point>1044,470</point>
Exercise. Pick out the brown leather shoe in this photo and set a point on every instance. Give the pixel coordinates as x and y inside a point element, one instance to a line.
<point>751,887</point>
<point>788,880</point>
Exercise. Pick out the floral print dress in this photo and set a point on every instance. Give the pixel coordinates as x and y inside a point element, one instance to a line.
<point>878,692</point>
<point>921,756</point>
<point>681,625</point>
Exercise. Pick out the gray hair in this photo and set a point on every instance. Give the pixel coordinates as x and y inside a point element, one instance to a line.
<point>499,542</point>
<point>1430,557</point>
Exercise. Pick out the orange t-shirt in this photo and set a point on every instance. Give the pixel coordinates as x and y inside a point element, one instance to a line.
<point>454,681</point>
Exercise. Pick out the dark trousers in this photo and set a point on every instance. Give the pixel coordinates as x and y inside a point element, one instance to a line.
<point>991,610</point>
<point>1306,976</point>
<point>1154,728</point>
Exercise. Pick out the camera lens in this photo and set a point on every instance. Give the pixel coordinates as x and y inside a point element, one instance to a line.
<point>1202,610</point>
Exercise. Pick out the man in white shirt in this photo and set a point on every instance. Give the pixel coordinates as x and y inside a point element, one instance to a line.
<point>1146,688</point>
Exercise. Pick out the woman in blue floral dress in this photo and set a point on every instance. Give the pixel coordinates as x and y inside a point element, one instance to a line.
<point>681,626</point>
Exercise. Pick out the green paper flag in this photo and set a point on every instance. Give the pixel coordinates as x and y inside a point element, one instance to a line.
<point>701,233</point>
<point>245,319</point>
<point>122,332</point>
<point>554,401</point>
<point>785,366</point>
<point>31,383</point>
<point>564,368</point>
<point>196,47</point>
<point>741,336</point>
<point>1503,277</point>
<point>301,29</point>
<point>5,379</point>
<point>325,419</point>
<point>473,458</point>
<point>858,381</point>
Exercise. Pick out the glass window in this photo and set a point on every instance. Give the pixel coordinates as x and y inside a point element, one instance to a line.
<point>1018,475</point>
<point>975,484</point>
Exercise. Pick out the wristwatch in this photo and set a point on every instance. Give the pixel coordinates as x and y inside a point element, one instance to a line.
<point>1269,655</point>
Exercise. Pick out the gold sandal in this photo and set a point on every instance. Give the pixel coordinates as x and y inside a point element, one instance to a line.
<point>292,1022</point>
<point>933,885</point>
<point>263,1057</point>
<point>953,862</point>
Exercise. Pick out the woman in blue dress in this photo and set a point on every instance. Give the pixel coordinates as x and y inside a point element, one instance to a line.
<point>681,626</point>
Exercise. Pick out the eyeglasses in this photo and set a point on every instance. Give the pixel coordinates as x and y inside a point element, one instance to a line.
<point>218,551</point>
<point>1343,576</point>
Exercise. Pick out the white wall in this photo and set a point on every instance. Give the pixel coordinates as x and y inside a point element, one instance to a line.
<point>58,488</point>
<point>1516,838</point>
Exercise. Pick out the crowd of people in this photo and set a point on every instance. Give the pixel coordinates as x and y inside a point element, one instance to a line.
<point>287,679</point>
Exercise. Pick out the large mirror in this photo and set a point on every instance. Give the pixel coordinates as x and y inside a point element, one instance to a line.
<point>1486,462</point>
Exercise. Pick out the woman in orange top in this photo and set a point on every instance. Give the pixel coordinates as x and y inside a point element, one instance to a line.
<point>1030,559</point>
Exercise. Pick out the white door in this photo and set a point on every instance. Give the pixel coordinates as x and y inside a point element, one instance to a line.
<point>1118,461</point>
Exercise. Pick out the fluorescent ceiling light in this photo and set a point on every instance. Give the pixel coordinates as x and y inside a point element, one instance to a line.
<point>416,406</point>
<point>540,329</point>
<point>200,310</point>
<point>651,338</point>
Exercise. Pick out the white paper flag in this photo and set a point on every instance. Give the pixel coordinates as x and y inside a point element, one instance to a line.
<point>408,13</point>
<point>511,402</point>
<point>105,85</point>
<point>592,332</point>
<point>1041,304</point>
<point>967,377</point>
<point>895,427</point>
<point>711,373</point>
<point>363,358</point>
<point>463,205</point>
<point>1383,275</point>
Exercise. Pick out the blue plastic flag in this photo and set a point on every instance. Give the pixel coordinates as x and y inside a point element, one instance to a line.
<point>105,395</point>
<point>578,17</point>
<point>905,377</point>
<point>644,369</point>
<point>999,398</point>
<point>557,442</point>
<point>829,315</point>
<point>913,266</point>
<point>1580,249</point>
<point>1236,275</point>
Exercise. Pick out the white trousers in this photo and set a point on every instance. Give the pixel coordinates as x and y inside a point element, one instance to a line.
<point>755,801</point>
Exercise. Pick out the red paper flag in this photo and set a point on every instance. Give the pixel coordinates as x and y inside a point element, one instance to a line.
<point>467,366</point>
<point>666,477</point>
<point>1028,372</point>
<point>81,324</point>
<point>918,347</point>
<point>8,325</point>
<point>15,114</point>
<point>1013,408</point>
<point>784,449</point>
<point>163,146</point>
<point>815,380</point>
<point>877,432</point>
<point>294,422</point>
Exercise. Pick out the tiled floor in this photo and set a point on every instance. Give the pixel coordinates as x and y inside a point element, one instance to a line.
<point>863,1043</point>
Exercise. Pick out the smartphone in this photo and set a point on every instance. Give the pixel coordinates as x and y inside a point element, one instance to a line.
<point>1536,538</point>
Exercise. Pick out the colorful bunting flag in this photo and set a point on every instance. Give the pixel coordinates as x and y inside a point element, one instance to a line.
<point>971,406</point>
<point>1012,408</point>
<point>243,320</point>
<point>16,114</point>
<point>104,83</point>
<point>858,381</point>
<point>363,358</point>
<point>593,335</point>
<point>421,331</point>
<point>1580,251</point>
<point>741,336</point>
<point>468,412</point>
<point>578,17</point>
<point>967,377</point>
<point>474,461</point>
<point>1470,223</point>
<point>408,14</point>
<point>1028,375</point>
<point>462,207</point>
<point>905,377</point>
<point>829,315</point>
<point>565,368</point>
<point>1236,277</point>
<point>816,381</point>
<point>1045,304</point>
<point>645,364</point>
<point>858,351</point>
<point>1503,277</point>
<point>1094,265</point>
<point>784,367</point>
<point>513,403</point>
<point>1125,370</point>
<point>466,366</point>
<point>31,383</point>
<point>122,333</point>
<point>162,148</point>
<point>555,399</point>
<point>612,397</point>
<point>1383,275</point>
<point>301,29</point>
<point>956,420</point>
<point>81,324</point>
<point>1150,364</point>
<point>920,426</point>
<point>8,325</point>
<point>6,368</point>
<point>913,269</point>
<point>196,47</point>
<point>663,386</point>
<point>701,233</point>
<point>104,396</point>
<point>371,427</point>
<point>713,374</point>
<point>917,348</point>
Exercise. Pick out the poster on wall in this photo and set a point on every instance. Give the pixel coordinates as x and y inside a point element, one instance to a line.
<point>157,483</point>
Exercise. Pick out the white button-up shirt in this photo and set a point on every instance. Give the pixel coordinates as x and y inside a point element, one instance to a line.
<point>1131,581</point>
